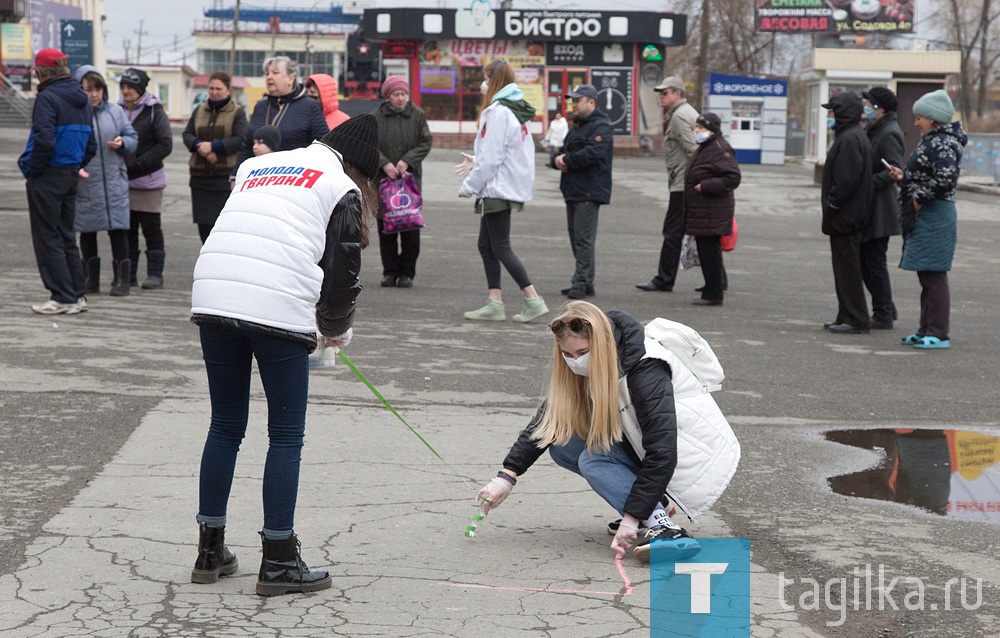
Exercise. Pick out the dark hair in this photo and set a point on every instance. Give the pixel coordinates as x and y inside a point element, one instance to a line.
<point>47,72</point>
<point>95,79</point>
<point>223,77</point>
<point>369,199</point>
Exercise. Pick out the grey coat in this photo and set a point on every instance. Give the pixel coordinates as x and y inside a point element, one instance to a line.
<point>678,143</point>
<point>102,199</point>
<point>887,143</point>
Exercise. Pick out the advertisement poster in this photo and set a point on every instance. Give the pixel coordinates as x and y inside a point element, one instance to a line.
<point>614,88</point>
<point>15,42</point>
<point>836,16</point>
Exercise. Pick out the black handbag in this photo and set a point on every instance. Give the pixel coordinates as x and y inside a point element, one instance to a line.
<point>907,214</point>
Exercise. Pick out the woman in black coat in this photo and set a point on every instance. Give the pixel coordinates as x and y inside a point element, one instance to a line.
<point>712,176</point>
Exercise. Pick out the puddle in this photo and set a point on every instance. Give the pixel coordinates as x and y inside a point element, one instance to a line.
<point>954,473</point>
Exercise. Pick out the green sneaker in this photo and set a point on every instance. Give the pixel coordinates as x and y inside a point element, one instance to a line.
<point>492,311</point>
<point>533,309</point>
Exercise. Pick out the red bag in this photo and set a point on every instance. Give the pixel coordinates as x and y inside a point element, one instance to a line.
<point>729,241</point>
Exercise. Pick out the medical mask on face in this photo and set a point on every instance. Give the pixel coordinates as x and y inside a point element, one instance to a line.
<point>482,87</point>
<point>579,367</point>
<point>870,114</point>
<point>831,122</point>
<point>702,136</point>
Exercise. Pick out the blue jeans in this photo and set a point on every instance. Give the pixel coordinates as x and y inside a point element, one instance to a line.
<point>284,371</point>
<point>610,474</point>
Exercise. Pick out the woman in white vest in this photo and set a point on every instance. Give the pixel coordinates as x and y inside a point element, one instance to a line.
<point>283,258</point>
<point>581,425</point>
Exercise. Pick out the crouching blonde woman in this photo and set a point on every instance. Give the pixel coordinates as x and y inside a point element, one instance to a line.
<point>581,425</point>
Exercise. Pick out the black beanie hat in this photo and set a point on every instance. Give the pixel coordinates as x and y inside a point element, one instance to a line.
<point>268,135</point>
<point>136,78</point>
<point>357,141</point>
<point>711,122</point>
<point>882,97</point>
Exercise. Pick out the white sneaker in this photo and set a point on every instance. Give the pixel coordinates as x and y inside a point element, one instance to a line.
<point>81,305</point>
<point>53,307</point>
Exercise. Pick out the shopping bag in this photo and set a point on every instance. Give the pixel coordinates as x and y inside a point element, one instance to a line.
<point>729,241</point>
<point>689,253</point>
<point>402,204</point>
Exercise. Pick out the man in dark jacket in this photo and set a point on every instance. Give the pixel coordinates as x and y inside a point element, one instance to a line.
<point>585,183</point>
<point>60,143</point>
<point>846,200</point>
<point>887,145</point>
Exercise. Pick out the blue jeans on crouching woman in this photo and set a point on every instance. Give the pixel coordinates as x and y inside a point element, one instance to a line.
<point>610,474</point>
<point>284,372</point>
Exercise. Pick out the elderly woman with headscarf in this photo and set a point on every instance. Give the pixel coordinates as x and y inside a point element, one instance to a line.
<point>287,107</point>
<point>404,142</point>
<point>930,221</point>
<point>712,176</point>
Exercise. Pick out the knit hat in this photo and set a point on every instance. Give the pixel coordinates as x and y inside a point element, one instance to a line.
<point>50,58</point>
<point>270,136</point>
<point>394,83</point>
<point>357,141</point>
<point>136,78</point>
<point>881,97</point>
<point>936,106</point>
<point>711,122</point>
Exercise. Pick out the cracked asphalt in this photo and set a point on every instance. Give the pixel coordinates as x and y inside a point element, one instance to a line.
<point>104,414</point>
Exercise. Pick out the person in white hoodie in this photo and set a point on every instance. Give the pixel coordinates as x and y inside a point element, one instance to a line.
<point>501,179</point>
<point>283,258</point>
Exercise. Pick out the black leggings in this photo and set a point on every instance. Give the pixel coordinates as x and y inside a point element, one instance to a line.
<point>119,244</point>
<point>151,231</point>
<point>494,246</point>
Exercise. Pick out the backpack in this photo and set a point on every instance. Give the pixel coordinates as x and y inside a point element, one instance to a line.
<point>708,452</point>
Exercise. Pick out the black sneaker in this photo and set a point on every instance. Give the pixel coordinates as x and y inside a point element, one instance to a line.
<point>614,525</point>
<point>675,540</point>
<point>588,291</point>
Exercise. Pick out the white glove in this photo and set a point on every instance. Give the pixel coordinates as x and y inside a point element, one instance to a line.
<point>340,341</point>
<point>625,537</point>
<point>493,494</point>
<point>463,169</point>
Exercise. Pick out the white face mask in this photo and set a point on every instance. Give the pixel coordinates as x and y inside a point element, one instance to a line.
<point>702,136</point>
<point>482,87</point>
<point>581,366</point>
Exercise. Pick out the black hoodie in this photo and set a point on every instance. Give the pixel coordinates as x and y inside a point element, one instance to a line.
<point>847,184</point>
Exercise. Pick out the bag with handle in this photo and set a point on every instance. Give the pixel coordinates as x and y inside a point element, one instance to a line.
<point>708,452</point>
<point>402,205</point>
<point>729,241</point>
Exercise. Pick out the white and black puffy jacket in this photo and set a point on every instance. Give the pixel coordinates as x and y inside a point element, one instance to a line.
<point>285,255</point>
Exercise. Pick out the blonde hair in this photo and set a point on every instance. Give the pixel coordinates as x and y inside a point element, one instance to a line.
<point>585,406</point>
<point>500,75</point>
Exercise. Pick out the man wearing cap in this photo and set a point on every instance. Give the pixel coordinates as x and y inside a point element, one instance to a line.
<point>678,147</point>
<point>846,199</point>
<point>585,183</point>
<point>60,143</point>
<point>886,138</point>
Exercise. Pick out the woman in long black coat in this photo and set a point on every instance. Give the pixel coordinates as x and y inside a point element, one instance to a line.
<point>712,176</point>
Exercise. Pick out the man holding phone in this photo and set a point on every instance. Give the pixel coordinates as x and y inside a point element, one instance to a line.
<point>886,138</point>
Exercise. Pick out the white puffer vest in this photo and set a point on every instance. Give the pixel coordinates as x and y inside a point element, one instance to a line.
<point>260,263</point>
<point>707,450</point>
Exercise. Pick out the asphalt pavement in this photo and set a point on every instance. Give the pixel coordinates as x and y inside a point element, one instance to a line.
<point>104,415</point>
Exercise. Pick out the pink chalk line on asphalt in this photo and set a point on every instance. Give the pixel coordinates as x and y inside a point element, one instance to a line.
<point>618,564</point>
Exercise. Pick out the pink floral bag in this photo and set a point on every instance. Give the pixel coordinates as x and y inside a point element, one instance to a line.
<point>401,204</point>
